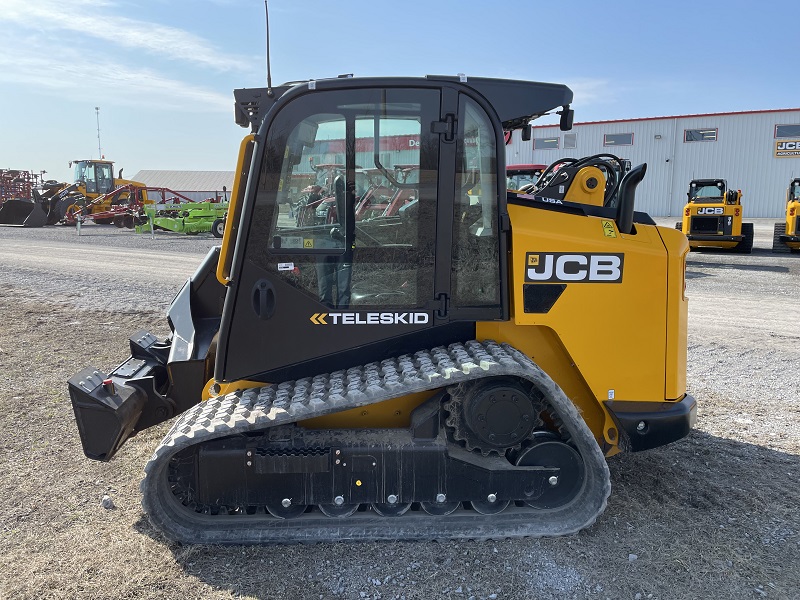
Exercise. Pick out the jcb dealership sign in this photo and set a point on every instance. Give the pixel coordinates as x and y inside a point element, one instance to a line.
<point>787,148</point>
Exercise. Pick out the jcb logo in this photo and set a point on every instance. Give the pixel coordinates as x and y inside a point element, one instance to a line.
<point>787,146</point>
<point>574,268</point>
<point>710,210</point>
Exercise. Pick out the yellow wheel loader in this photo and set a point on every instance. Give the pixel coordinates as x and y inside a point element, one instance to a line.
<point>49,205</point>
<point>712,217</point>
<point>786,237</point>
<point>433,373</point>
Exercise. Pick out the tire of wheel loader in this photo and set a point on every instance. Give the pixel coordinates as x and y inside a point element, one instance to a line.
<point>778,246</point>
<point>218,228</point>
<point>746,245</point>
<point>679,226</point>
<point>58,211</point>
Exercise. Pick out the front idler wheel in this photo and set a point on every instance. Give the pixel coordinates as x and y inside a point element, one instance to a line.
<point>561,487</point>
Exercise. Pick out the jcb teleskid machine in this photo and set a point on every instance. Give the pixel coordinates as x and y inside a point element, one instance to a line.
<point>712,217</point>
<point>786,235</point>
<point>461,368</point>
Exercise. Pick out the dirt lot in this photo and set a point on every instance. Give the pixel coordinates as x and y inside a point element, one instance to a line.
<point>715,515</point>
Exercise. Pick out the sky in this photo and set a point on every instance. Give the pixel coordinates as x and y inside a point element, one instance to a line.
<point>162,72</point>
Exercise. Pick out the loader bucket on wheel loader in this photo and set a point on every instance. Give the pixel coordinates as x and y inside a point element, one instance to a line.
<point>22,213</point>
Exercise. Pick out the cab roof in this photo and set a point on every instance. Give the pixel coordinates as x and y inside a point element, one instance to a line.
<point>515,102</point>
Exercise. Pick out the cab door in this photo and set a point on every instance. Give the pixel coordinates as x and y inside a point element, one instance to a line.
<point>316,288</point>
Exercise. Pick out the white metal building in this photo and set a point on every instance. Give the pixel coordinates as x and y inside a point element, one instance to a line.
<point>195,185</point>
<point>757,152</point>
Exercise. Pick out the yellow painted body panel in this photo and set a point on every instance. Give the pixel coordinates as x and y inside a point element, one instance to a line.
<point>588,187</point>
<point>615,332</point>
<point>677,313</point>
<point>602,341</point>
<point>234,209</point>
<point>792,210</point>
<point>209,391</point>
<point>391,413</point>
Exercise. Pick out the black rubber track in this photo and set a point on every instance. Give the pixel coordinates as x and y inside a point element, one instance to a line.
<point>260,408</point>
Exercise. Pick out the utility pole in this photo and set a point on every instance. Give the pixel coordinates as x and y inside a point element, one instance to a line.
<point>99,151</point>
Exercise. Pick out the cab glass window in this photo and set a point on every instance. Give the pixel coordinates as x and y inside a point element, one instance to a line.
<point>709,192</point>
<point>346,201</point>
<point>475,275</point>
<point>105,179</point>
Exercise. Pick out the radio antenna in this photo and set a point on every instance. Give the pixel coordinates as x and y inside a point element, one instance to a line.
<point>269,73</point>
<point>99,151</point>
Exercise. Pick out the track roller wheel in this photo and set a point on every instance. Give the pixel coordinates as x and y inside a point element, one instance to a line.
<point>487,507</point>
<point>285,509</point>
<point>391,510</point>
<point>338,511</point>
<point>562,488</point>
<point>439,509</point>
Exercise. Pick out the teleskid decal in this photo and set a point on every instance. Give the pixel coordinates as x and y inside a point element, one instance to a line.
<point>586,267</point>
<point>370,318</point>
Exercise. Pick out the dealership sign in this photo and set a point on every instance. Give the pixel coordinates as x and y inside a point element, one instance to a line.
<point>787,148</point>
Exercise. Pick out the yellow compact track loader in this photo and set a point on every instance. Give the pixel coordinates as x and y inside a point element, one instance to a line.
<point>786,237</point>
<point>712,218</point>
<point>460,368</point>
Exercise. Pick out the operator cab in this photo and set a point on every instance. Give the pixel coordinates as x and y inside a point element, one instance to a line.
<point>794,190</point>
<point>420,267</point>
<point>96,176</point>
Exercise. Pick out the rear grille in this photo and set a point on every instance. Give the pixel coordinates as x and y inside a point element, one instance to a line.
<point>704,225</point>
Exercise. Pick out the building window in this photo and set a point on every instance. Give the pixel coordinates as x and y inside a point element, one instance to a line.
<point>570,141</point>
<point>545,143</point>
<point>618,139</point>
<point>787,131</point>
<point>700,135</point>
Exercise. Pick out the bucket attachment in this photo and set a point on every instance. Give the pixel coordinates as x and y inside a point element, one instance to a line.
<point>111,408</point>
<point>22,213</point>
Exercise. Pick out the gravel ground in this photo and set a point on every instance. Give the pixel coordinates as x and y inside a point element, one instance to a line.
<point>715,515</point>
